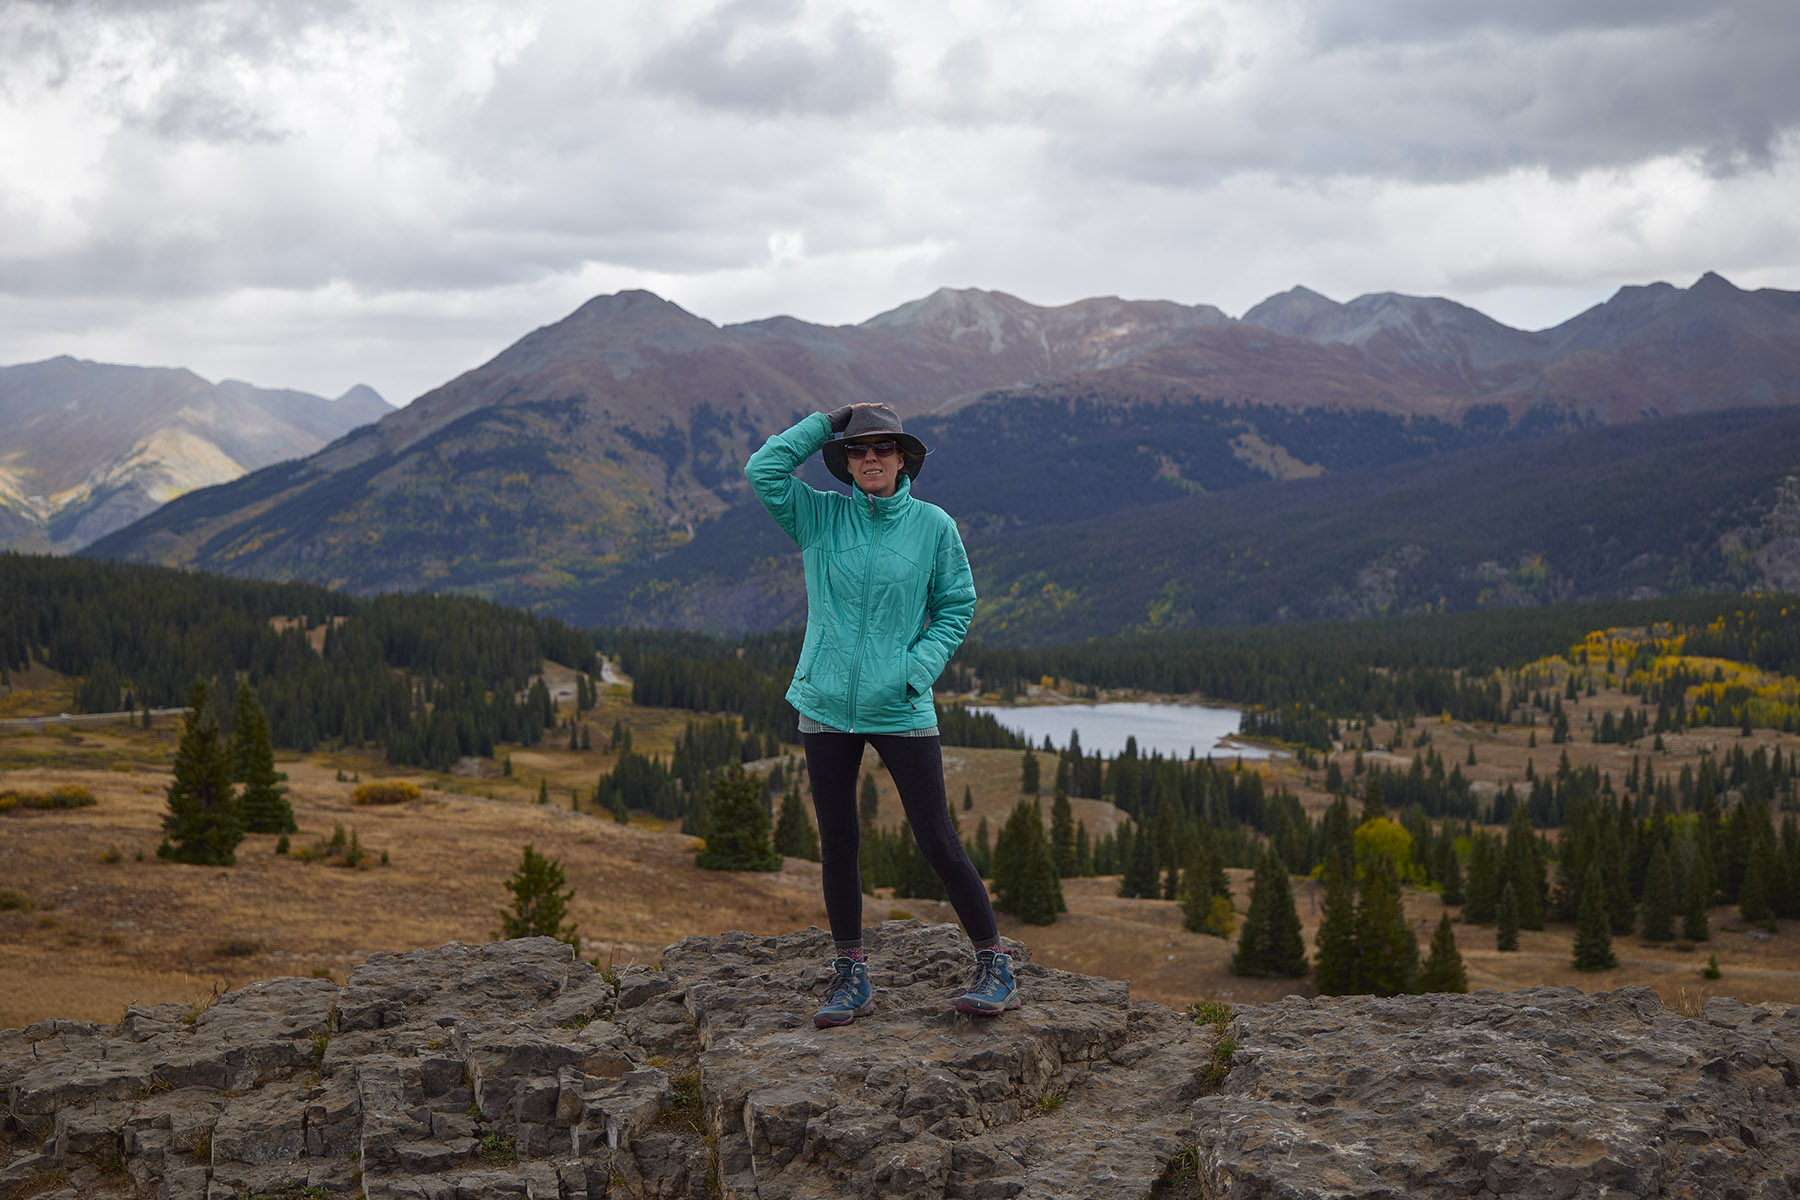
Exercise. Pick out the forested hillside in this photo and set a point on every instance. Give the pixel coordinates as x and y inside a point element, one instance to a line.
<point>1151,520</point>
<point>431,678</point>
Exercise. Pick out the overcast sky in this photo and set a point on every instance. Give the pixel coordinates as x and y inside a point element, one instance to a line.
<point>315,193</point>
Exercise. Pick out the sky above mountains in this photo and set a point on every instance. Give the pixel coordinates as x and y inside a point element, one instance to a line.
<point>316,194</point>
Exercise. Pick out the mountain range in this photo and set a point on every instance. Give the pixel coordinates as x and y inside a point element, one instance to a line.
<point>592,469</point>
<point>87,448</point>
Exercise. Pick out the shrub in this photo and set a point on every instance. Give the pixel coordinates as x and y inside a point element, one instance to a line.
<point>390,792</point>
<point>12,899</point>
<point>236,947</point>
<point>341,849</point>
<point>67,796</point>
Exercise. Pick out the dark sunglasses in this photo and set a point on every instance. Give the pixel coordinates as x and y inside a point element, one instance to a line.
<point>861,449</point>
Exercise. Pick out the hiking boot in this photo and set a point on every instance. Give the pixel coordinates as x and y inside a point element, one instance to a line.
<point>993,990</point>
<point>849,995</point>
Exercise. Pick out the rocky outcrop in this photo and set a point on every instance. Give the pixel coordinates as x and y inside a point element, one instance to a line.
<point>1543,1093</point>
<point>515,1070</point>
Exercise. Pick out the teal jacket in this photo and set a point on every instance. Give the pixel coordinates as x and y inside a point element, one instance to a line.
<point>888,591</point>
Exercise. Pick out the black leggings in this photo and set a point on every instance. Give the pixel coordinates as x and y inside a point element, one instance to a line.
<point>834,762</point>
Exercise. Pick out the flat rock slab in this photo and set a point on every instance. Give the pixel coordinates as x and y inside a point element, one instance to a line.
<point>514,1069</point>
<point>1546,1093</point>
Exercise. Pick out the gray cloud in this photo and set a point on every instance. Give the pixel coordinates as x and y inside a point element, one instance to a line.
<point>749,55</point>
<point>1390,92</point>
<point>830,159</point>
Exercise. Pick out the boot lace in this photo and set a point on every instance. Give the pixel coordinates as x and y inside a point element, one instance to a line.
<point>842,989</point>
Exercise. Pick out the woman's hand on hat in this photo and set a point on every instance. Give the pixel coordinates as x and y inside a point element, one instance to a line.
<point>840,417</point>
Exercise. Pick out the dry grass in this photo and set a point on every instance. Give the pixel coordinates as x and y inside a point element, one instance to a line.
<point>101,934</point>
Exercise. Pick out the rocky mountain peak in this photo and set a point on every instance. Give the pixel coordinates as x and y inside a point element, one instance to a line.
<point>363,398</point>
<point>515,1069</point>
<point>992,320</point>
<point>1713,284</point>
<point>1293,312</point>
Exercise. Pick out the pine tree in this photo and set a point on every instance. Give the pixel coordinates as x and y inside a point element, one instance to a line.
<point>1062,836</point>
<point>1084,856</point>
<point>1593,929</point>
<point>968,799</point>
<point>737,832</point>
<point>868,801</point>
<point>1521,864</point>
<point>1336,966</point>
<point>794,833</point>
<point>1335,834</point>
<point>1025,880</point>
<point>917,880</point>
<point>1387,950</point>
<point>1482,900</point>
<point>1450,874</point>
<point>543,796</point>
<point>1443,970</point>
<point>539,903</point>
<point>1270,943</point>
<point>1753,894</point>
<point>1139,879</point>
<point>1695,922</point>
<point>1197,895</point>
<point>1040,897</point>
<point>205,822</point>
<point>264,800</point>
<point>1373,809</point>
<point>1028,773</point>
<point>1506,927</point>
<point>1659,897</point>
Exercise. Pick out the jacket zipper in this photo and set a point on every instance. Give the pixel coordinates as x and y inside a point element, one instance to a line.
<point>862,635</point>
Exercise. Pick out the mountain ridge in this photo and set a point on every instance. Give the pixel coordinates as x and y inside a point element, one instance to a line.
<point>87,447</point>
<point>598,445</point>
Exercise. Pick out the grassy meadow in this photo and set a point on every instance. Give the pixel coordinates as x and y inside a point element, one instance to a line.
<point>109,923</point>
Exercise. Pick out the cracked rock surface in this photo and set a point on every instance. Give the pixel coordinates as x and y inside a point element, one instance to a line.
<point>515,1070</point>
<point>1549,1092</point>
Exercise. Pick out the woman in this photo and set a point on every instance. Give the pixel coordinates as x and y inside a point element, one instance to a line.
<point>888,600</point>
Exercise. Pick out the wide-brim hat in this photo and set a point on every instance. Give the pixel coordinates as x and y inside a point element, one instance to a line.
<point>868,421</point>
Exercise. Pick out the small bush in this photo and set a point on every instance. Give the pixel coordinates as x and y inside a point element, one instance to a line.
<point>112,854</point>
<point>1711,969</point>
<point>687,1107</point>
<point>1211,1012</point>
<point>12,899</point>
<point>499,1150</point>
<point>236,947</point>
<point>392,792</point>
<point>343,849</point>
<point>59,797</point>
<point>282,845</point>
